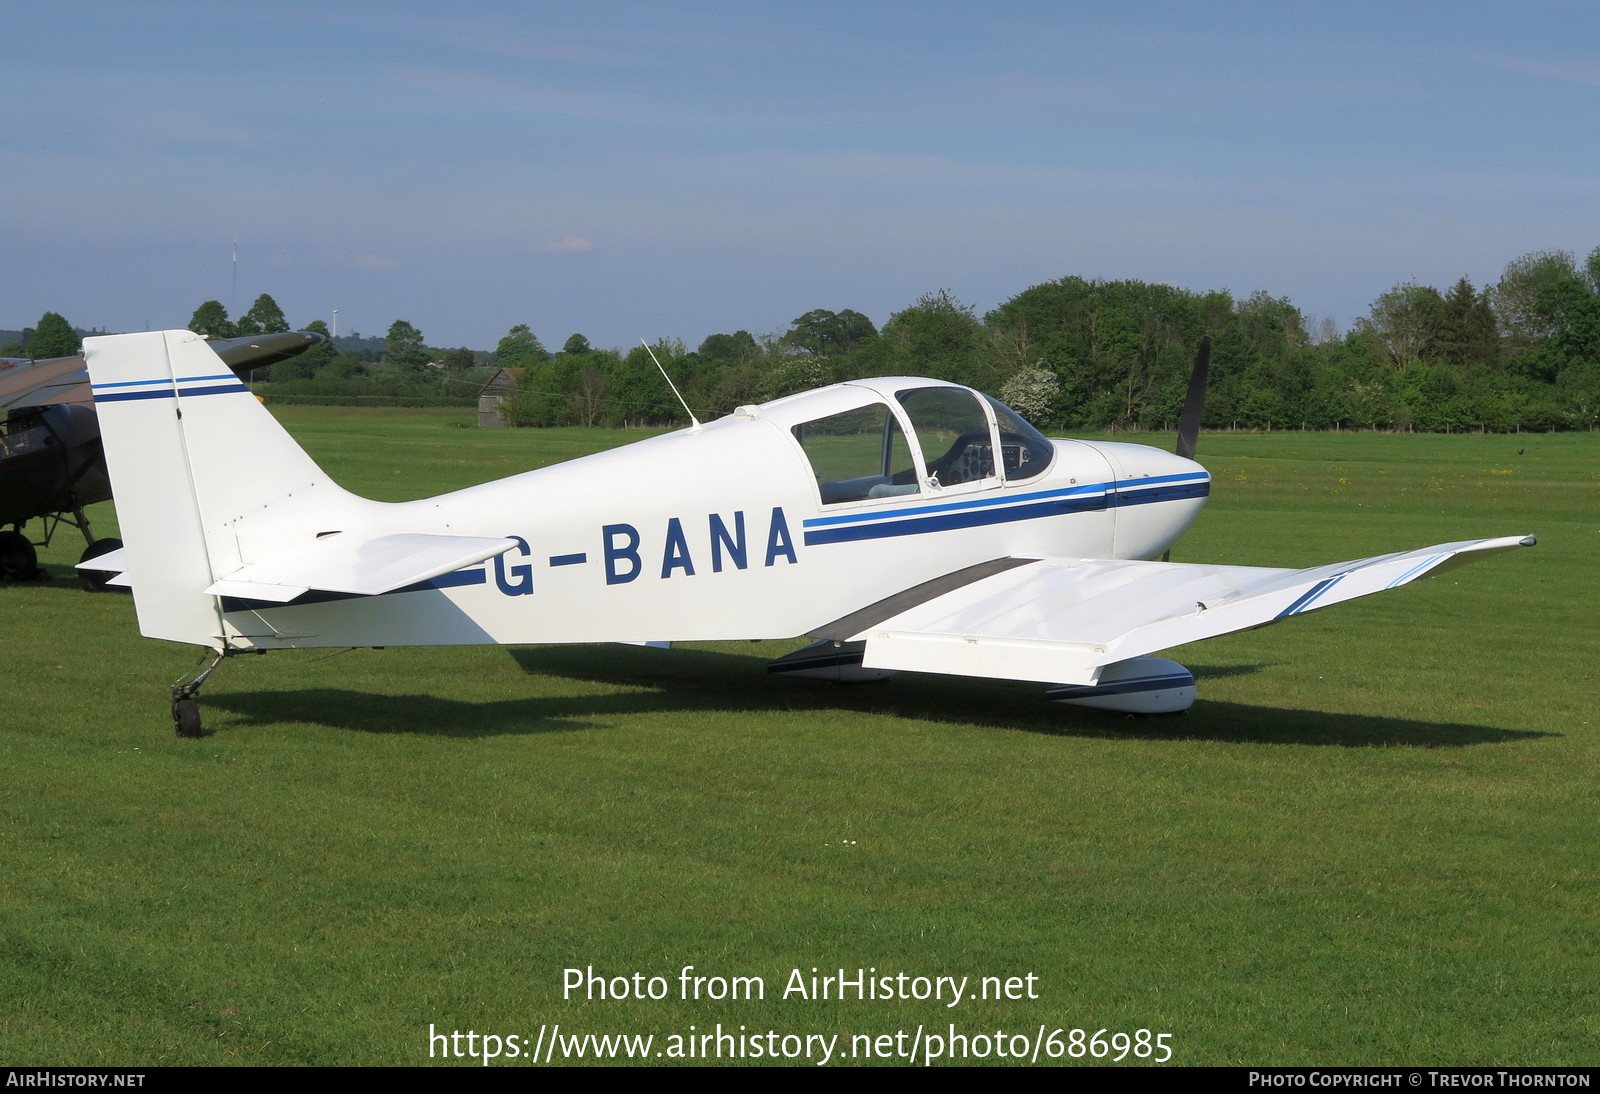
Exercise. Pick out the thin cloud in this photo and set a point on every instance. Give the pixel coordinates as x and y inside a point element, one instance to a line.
<point>1584,75</point>
<point>524,94</point>
<point>567,245</point>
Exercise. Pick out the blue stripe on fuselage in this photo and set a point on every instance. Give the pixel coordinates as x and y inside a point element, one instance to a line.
<point>988,511</point>
<point>920,510</point>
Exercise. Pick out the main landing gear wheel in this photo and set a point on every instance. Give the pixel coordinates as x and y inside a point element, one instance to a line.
<point>18,560</point>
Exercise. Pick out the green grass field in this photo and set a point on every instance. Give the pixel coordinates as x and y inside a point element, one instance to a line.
<point>1371,841</point>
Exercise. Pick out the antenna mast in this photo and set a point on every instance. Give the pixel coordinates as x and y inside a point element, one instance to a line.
<point>696,427</point>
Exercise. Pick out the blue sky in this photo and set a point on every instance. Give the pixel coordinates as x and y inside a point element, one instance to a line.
<point>655,170</point>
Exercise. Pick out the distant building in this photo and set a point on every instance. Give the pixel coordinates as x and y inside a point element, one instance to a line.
<point>501,386</point>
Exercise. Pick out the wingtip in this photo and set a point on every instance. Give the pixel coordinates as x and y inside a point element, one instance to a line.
<point>1529,541</point>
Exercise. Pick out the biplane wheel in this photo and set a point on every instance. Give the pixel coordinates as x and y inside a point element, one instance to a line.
<point>95,580</point>
<point>186,718</point>
<point>18,560</point>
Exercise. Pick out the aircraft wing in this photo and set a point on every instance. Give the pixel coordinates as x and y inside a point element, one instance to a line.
<point>41,383</point>
<point>66,379</point>
<point>1062,620</point>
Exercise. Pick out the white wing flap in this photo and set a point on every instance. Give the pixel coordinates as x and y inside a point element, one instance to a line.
<point>347,562</point>
<point>1062,620</point>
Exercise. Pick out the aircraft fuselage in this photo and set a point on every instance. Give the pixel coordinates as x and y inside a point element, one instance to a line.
<point>740,529</point>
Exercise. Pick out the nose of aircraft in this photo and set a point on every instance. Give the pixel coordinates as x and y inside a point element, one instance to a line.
<point>1157,496</point>
<point>1133,463</point>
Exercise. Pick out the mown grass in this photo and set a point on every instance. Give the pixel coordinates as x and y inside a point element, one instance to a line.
<point>1370,842</point>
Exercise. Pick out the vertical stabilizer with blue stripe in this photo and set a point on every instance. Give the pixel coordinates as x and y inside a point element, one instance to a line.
<point>192,455</point>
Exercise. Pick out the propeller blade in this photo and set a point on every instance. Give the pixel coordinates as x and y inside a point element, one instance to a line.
<point>1194,403</point>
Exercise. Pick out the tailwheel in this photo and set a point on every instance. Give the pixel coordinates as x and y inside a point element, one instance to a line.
<point>186,718</point>
<point>185,699</point>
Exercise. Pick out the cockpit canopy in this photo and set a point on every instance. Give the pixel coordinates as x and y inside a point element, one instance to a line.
<point>901,436</point>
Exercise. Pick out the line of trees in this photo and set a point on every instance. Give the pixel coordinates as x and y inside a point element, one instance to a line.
<point>399,365</point>
<point>1523,354</point>
<point>53,336</point>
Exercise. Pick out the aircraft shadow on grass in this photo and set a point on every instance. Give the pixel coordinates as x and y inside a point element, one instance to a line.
<point>706,681</point>
<point>689,680</point>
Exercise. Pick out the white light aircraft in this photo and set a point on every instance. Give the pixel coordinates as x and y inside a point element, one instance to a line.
<point>902,523</point>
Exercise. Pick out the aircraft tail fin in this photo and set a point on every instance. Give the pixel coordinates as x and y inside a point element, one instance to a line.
<point>195,462</point>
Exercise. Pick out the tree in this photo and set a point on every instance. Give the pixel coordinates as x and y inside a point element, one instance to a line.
<point>324,352</point>
<point>575,345</point>
<point>638,394</point>
<point>53,337</point>
<point>729,350</point>
<point>1522,319</point>
<point>1323,330</point>
<point>520,348</point>
<point>738,386</point>
<point>264,317</point>
<point>344,366</point>
<point>589,396</point>
<point>1467,336</point>
<point>1032,391</point>
<point>458,360</point>
<point>304,366</point>
<point>1571,314</point>
<point>939,336</point>
<point>1273,328</point>
<point>1122,350</point>
<point>1548,311</point>
<point>1406,321</point>
<point>211,320</point>
<point>404,349</point>
<point>826,333</point>
<point>796,373</point>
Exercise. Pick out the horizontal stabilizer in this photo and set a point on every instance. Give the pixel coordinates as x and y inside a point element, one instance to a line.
<point>1062,620</point>
<point>347,562</point>
<point>114,563</point>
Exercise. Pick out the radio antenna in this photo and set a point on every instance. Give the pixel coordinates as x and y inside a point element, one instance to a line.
<point>697,426</point>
